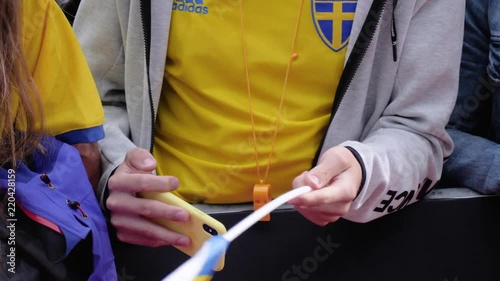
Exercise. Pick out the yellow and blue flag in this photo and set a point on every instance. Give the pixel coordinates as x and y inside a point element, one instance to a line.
<point>200,267</point>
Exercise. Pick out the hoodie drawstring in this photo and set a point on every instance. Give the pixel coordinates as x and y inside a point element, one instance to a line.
<point>394,33</point>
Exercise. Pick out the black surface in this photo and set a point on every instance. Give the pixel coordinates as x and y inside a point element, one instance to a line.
<point>434,240</point>
<point>69,7</point>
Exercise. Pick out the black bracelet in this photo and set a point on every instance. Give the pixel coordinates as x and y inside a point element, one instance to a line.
<point>363,169</point>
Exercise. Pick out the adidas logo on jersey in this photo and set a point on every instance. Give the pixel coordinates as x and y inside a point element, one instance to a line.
<point>190,6</point>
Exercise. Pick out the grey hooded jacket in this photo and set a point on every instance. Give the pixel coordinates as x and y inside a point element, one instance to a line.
<point>393,101</point>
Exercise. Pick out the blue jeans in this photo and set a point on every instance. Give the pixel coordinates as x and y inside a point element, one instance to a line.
<point>475,122</point>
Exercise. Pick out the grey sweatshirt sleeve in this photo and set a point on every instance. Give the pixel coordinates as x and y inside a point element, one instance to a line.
<point>98,28</point>
<point>404,151</point>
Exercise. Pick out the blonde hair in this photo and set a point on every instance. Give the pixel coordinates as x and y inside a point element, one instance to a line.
<point>20,130</point>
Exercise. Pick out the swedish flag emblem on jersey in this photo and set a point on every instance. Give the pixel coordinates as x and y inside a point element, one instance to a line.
<point>333,20</point>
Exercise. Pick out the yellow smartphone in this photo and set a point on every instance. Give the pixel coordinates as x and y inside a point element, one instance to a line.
<point>199,228</point>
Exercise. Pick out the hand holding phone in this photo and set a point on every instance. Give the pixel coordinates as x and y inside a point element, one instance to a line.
<point>199,228</point>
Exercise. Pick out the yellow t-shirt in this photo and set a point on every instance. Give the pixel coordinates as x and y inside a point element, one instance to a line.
<point>70,101</point>
<point>204,131</point>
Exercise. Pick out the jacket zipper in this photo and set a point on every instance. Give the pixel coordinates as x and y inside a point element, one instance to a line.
<point>146,27</point>
<point>394,32</point>
<point>354,62</point>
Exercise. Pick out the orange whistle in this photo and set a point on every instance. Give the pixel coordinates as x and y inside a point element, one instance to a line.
<point>261,196</point>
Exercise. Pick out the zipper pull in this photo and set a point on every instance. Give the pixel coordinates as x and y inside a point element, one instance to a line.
<point>75,205</point>
<point>45,178</point>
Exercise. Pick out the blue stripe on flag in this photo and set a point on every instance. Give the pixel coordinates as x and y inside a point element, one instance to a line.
<point>218,246</point>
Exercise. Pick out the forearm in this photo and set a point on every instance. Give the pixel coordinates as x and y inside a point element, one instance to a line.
<point>400,169</point>
<point>91,157</point>
<point>403,152</point>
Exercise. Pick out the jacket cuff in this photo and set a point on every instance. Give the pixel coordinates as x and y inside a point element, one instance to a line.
<point>363,169</point>
<point>103,192</point>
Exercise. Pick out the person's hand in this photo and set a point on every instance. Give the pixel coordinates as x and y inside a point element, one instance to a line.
<point>128,212</point>
<point>335,181</point>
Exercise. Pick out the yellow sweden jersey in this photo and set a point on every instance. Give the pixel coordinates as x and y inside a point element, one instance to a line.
<point>70,101</point>
<point>204,134</point>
